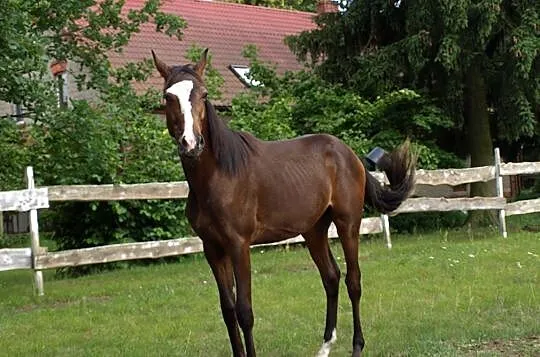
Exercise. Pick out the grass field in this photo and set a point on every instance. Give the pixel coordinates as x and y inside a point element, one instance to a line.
<point>443,294</point>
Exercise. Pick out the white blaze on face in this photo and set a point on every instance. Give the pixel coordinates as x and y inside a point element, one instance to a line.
<point>182,90</point>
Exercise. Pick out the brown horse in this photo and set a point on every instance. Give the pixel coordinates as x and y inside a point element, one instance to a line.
<point>245,191</point>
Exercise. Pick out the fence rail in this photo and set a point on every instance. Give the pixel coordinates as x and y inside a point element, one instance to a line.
<point>523,207</point>
<point>140,191</point>
<point>38,258</point>
<point>442,204</point>
<point>15,258</point>
<point>24,200</point>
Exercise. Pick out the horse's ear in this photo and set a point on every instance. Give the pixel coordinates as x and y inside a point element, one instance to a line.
<point>199,67</point>
<point>162,68</point>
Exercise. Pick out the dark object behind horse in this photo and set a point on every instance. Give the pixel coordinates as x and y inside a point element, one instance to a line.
<point>245,191</point>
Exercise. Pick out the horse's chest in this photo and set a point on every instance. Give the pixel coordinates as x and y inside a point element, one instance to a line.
<point>215,218</point>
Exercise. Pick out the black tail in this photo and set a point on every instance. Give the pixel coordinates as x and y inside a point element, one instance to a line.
<point>399,167</point>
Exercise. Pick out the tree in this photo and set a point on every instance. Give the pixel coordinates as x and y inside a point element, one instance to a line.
<point>302,103</point>
<point>33,33</point>
<point>479,61</point>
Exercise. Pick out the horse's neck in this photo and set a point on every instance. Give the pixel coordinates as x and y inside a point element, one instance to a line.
<point>198,171</point>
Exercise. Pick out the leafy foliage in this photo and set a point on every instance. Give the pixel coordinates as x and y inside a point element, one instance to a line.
<point>117,142</point>
<point>302,103</point>
<point>14,155</point>
<point>113,140</point>
<point>84,32</point>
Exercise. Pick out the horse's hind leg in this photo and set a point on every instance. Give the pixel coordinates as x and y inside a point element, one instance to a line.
<point>317,242</point>
<point>348,228</point>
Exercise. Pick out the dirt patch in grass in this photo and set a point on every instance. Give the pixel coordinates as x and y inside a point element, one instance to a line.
<point>520,347</point>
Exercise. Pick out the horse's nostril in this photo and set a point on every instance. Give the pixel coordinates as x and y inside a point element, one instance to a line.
<point>184,142</point>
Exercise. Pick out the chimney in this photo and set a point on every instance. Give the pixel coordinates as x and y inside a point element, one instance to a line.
<point>326,6</point>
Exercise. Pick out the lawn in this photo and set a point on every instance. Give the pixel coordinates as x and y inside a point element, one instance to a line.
<point>444,294</point>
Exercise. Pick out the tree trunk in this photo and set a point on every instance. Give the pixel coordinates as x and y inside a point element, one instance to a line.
<point>478,136</point>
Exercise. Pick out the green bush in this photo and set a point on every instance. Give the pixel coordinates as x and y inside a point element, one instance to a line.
<point>14,241</point>
<point>14,155</point>
<point>302,103</point>
<point>116,142</point>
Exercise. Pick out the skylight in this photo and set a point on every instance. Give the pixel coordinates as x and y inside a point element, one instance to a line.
<point>242,72</point>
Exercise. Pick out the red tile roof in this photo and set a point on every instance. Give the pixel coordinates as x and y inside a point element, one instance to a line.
<point>225,28</point>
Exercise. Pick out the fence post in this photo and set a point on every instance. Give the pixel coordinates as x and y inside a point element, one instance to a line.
<point>500,192</point>
<point>386,230</point>
<point>34,234</point>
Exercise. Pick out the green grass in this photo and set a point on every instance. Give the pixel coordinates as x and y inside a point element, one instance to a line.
<point>427,296</point>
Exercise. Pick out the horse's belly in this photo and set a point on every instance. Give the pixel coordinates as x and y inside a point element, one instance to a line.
<point>272,236</point>
<point>283,224</point>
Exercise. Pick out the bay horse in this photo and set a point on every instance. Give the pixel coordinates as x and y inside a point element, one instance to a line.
<point>245,191</point>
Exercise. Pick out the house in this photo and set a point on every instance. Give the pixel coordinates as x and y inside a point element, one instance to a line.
<point>225,29</point>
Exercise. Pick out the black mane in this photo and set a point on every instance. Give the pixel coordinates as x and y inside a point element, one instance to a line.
<point>232,149</point>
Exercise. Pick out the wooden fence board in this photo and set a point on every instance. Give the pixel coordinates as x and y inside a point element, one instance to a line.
<point>425,204</point>
<point>143,191</point>
<point>454,177</point>
<point>15,258</point>
<point>24,200</point>
<point>523,207</point>
<point>520,168</point>
<point>118,252</point>
<point>451,177</point>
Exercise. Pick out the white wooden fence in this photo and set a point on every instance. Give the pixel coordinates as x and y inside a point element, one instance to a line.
<point>38,258</point>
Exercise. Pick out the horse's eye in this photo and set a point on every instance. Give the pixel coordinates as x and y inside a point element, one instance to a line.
<point>205,94</point>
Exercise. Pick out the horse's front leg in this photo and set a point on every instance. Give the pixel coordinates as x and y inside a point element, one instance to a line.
<point>221,265</point>
<point>244,312</point>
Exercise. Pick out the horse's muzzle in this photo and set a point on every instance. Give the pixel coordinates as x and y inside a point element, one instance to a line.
<point>193,153</point>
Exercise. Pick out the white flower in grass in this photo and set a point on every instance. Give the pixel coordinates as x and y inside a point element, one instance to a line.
<point>432,257</point>
<point>519,265</point>
<point>471,255</point>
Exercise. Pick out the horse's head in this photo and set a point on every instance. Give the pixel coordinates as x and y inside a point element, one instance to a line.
<point>185,109</point>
